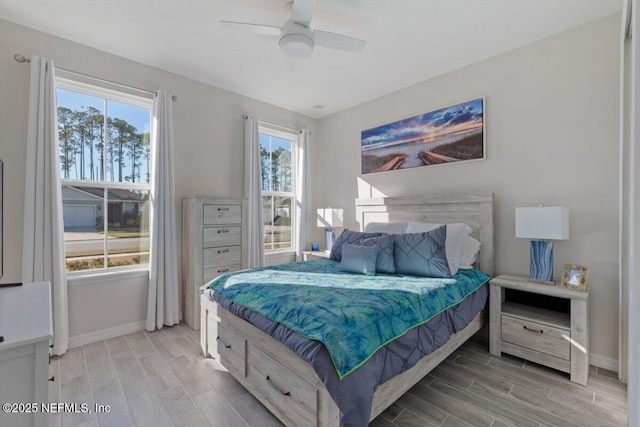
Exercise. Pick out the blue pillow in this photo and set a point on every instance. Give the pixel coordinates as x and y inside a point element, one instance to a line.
<point>384,262</point>
<point>359,259</point>
<point>422,254</point>
<point>350,237</point>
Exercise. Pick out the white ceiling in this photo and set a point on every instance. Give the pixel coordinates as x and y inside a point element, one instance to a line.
<point>408,41</point>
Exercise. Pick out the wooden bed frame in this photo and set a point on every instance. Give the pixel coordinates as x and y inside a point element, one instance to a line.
<point>287,385</point>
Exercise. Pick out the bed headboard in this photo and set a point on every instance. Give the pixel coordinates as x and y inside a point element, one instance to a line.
<point>476,210</point>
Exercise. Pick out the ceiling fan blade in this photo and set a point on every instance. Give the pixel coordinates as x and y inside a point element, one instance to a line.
<point>268,30</point>
<point>338,41</point>
<point>302,11</point>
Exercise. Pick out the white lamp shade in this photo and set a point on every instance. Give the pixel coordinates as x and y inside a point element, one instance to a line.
<point>543,223</point>
<point>330,218</point>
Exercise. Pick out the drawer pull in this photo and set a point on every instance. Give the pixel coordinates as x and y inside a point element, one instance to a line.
<point>223,251</point>
<point>276,388</point>
<point>223,270</point>
<point>533,330</point>
<point>223,209</point>
<point>223,231</point>
<point>221,342</point>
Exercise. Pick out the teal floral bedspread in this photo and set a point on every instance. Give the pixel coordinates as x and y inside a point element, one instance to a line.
<point>353,315</point>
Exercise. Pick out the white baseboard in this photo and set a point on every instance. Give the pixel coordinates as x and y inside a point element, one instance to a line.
<point>604,362</point>
<point>78,340</point>
<point>103,334</point>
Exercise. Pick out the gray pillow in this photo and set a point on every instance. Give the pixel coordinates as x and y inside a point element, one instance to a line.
<point>350,237</point>
<point>359,259</point>
<point>422,254</point>
<point>384,262</point>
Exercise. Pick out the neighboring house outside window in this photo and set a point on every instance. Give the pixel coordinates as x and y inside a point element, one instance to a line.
<point>277,150</point>
<point>105,155</point>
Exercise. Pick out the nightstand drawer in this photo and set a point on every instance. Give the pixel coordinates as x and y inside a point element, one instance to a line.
<point>537,336</point>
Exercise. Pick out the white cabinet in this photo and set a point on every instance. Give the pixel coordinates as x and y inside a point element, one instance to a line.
<point>26,326</point>
<point>214,243</point>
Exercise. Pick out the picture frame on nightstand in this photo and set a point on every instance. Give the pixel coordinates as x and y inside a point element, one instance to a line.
<point>575,277</point>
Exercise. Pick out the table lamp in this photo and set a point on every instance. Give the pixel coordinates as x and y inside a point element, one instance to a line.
<point>328,218</point>
<point>542,223</point>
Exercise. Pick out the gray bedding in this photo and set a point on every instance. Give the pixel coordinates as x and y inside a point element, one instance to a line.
<point>354,394</point>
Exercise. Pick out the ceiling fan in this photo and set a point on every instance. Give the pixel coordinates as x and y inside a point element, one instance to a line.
<point>297,38</point>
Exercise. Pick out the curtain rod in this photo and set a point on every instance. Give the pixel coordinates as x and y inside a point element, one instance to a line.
<point>23,60</point>
<point>245,117</point>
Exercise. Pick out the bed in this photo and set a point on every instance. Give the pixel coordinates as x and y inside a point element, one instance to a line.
<point>288,385</point>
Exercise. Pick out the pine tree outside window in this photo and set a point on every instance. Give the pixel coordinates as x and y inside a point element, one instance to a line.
<point>278,188</point>
<point>105,155</point>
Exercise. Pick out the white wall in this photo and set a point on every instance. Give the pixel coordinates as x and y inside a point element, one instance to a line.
<point>209,150</point>
<point>552,138</point>
<point>626,199</point>
<point>631,144</point>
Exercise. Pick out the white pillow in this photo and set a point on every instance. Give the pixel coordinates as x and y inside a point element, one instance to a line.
<point>470,251</point>
<point>387,227</point>
<point>456,235</point>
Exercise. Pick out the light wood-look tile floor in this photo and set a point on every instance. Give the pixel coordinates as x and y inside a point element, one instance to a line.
<point>161,379</point>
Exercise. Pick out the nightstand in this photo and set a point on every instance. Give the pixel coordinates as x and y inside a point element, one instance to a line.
<point>309,255</point>
<point>551,338</point>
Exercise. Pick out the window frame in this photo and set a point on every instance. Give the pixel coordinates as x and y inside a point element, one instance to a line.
<point>292,135</point>
<point>121,97</point>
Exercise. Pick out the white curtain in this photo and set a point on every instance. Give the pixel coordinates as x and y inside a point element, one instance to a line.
<point>253,193</point>
<point>303,192</point>
<point>163,307</point>
<point>43,243</point>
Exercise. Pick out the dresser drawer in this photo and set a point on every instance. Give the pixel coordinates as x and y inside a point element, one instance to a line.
<point>221,214</point>
<point>232,348</point>
<point>537,336</point>
<point>209,274</point>
<point>224,255</point>
<point>284,388</point>
<point>221,236</point>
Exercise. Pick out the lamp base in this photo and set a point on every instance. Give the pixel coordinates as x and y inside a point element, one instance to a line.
<point>329,238</point>
<point>541,261</point>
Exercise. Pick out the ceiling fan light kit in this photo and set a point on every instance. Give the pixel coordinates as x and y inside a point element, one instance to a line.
<point>296,46</point>
<point>296,41</point>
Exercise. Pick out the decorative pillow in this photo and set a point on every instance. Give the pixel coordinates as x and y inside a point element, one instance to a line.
<point>359,259</point>
<point>387,227</point>
<point>456,235</point>
<point>384,262</point>
<point>469,253</point>
<point>422,254</point>
<point>351,237</point>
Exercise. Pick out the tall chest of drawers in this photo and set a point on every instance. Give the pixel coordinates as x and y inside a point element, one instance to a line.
<point>214,242</point>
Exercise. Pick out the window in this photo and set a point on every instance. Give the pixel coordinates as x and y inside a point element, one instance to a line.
<point>278,188</point>
<point>104,149</point>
